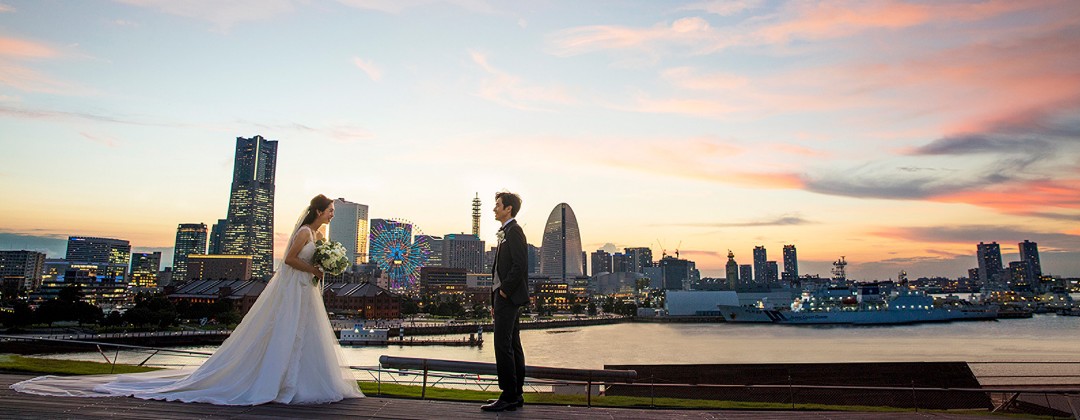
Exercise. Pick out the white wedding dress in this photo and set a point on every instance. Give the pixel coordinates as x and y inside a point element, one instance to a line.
<point>283,351</point>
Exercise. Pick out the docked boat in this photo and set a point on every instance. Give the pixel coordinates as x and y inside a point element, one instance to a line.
<point>360,336</point>
<point>864,306</point>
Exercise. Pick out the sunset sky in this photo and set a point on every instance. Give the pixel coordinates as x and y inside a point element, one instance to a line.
<point>896,134</point>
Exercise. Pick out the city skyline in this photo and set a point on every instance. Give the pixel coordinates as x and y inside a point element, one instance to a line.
<point>899,135</point>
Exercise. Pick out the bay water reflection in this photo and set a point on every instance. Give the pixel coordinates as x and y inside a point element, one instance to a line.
<point>1040,338</point>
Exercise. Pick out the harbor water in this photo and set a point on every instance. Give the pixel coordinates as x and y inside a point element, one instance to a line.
<point>1042,338</point>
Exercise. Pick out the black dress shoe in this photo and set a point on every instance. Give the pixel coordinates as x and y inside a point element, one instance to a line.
<point>499,405</point>
<point>519,403</point>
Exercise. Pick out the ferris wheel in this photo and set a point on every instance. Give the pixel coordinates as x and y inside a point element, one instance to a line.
<point>399,249</point>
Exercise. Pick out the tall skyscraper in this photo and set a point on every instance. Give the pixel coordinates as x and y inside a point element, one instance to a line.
<point>190,240</point>
<point>791,264</point>
<point>641,258</point>
<point>759,265</point>
<point>732,271</point>
<point>145,267</point>
<point>350,227</point>
<point>990,268</point>
<point>217,232</point>
<point>476,215</point>
<point>560,252</point>
<point>250,228</point>
<point>1029,253</point>
<point>463,251</point>
<point>601,262</point>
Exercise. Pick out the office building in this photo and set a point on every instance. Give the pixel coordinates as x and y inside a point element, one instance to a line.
<point>791,264</point>
<point>1029,254</point>
<point>463,251</point>
<point>350,227</point>
<point>144,269</point>
<point>759,265</point>
<point>220,267</point>
<point>190,240</point>
<point>217,231</point>
<point>641,257</point>
<point>601,262</point>
<point>21,270</point>
<point>990,267</point>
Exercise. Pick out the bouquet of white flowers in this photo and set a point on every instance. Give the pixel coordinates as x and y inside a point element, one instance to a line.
<point>330,257</point>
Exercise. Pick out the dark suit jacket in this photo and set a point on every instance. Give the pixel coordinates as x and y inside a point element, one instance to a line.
<point>512,264</point>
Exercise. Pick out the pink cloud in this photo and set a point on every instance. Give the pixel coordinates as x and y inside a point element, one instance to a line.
<point>693,33</point>
<point>30,80</point>
<point>828,20</point>
<point>510,90</point>
<point>20,48</point>
<point>108,141</point>
<point>368,67</point>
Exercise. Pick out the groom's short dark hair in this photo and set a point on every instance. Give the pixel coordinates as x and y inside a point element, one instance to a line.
<point>511,200</point>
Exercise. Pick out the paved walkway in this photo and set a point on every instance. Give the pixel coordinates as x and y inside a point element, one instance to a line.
<point>14,405</point>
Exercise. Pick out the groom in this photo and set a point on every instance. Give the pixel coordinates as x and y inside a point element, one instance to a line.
<point>509,293</point>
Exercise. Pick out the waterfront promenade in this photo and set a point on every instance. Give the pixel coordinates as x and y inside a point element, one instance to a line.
<point>21,406</point>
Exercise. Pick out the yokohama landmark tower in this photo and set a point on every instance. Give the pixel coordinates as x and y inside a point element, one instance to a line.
<point>250,223</point>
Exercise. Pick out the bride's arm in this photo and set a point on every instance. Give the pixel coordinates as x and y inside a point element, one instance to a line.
<point>292,255</point>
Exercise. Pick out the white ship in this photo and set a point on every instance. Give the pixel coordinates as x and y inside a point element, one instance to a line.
<point>360,336</point>
<point>866,307</point>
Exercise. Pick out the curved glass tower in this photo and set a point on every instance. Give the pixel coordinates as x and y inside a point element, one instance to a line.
<point>560,252</point>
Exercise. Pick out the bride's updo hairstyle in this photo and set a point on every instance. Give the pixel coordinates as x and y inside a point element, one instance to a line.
<point>319,203</point>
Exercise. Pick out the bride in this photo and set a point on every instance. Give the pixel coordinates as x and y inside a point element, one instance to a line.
<point>283,351</point>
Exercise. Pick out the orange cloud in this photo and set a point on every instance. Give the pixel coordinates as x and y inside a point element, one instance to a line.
<point>12,47</point>
<point>1022,198</point>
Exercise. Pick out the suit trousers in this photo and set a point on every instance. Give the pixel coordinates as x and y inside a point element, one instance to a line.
<point>509,357</point>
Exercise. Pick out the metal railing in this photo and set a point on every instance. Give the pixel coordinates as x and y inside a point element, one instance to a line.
<point>570,376</point>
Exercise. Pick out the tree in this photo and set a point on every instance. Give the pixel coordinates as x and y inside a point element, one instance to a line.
<point>609,305</point>
<point>70,294</point>
<point>409,307</point>
<point>139,317</point>
<point>54,310</point>
<point>114,319</point>
<point>86,313</point>
<point>592,309</point>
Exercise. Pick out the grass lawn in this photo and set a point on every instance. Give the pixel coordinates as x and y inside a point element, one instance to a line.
<point>22,364</point>
<point>15,363</point>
